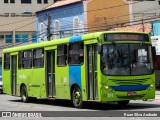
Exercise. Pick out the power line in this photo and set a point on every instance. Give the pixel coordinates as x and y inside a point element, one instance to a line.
<point>24,26</point>
<point>16,22</point>
<point>65,21</point>
<point>103,27</point>
<point>71,8</point>
<point>69,21</point>
<point>151,9</point>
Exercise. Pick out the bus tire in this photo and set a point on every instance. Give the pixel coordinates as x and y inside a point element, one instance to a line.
<point>77,97</point>
<point>123,103</point>
<point>24,94</point>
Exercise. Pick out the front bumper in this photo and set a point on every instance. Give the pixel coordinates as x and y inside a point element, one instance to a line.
<point>110,94</point>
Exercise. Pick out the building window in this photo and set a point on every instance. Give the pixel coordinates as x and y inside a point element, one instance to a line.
<point>21,38</point>
<point>12,1</point>
<point>34,38</point>
<point>45,1</point>
<point>6,14</point>
<point>25,1</point>
<point>27,59</point>
<point>56,30</point>
<point>8,38</point>
<point>76,26</point>
<point>42,33</point>
<point>62,55</point>
<point>13,14</point>
<point>38,56</point>
<point>5,1</point>
<point>76,55</point>
<point>39,1</point>
<point>159,2</point>
<point>7,61</point>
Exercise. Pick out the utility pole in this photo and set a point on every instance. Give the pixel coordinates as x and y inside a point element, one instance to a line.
<point>49,27</point>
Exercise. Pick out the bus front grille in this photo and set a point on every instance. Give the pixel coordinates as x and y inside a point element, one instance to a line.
<point>129,82</point>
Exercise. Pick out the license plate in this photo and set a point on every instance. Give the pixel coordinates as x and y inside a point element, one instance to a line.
<point>132,94</point>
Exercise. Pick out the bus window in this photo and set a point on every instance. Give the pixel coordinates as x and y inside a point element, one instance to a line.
<point>7,61</point>
<point>76,55</point>
<point>27,59</point>
<point>38,59</point>
<point>62,55</point>
<point>20,59</point>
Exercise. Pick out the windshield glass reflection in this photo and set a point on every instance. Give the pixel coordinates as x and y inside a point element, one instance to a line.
<point>126,59</point>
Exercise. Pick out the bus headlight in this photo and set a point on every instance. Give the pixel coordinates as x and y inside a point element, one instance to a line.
<point>151,85</point>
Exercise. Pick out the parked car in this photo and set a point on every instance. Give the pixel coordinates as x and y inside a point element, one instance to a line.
<point>1,85</point>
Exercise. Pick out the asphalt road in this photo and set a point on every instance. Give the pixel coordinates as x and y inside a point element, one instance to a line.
<point>63,108</point>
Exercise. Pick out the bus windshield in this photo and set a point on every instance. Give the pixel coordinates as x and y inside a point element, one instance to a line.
<point>126,59</point>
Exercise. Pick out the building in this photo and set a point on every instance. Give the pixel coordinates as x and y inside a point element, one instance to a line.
<point>142,13</point>
<point>75,17</point>
<point>63,18</point>
<point>17,21</point>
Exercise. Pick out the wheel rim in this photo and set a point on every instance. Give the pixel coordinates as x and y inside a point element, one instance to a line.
<point>77,98</point>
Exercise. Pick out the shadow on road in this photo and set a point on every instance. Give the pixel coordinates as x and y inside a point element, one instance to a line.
<point>93,105</point>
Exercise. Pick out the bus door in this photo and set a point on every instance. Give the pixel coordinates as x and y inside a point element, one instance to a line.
<point>14,74</point>
<point>50,68</point>
<point>92,80</point>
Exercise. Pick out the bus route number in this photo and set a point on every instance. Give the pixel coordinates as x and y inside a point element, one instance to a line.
<point>109,95</point>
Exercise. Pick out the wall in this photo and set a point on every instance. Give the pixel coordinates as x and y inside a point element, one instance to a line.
<point>106,13</point>
<point>151,8</point>
<point>146,27</point>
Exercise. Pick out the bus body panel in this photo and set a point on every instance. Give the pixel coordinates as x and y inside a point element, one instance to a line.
<point>38,83</point>
<point>25,77</point>
<point>7,82</point>
<point>62,82</point>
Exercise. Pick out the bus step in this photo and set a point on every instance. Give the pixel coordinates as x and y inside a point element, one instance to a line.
<point>51,98</point>
<point>90,100</point>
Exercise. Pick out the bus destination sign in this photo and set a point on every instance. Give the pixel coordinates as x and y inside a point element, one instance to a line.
<point>125,36</point>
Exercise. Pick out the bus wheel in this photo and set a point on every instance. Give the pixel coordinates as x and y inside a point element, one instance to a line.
<point>123,103</point>
<point>24,94</point>
<point>77,97</point>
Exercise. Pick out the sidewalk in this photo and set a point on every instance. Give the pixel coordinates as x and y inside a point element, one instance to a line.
<point>158,92</point>
<point>157,95</point>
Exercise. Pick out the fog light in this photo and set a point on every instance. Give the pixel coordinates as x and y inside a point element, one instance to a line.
<point>106,87</point>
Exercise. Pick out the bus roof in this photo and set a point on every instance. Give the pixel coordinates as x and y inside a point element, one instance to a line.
<point>89,36</point>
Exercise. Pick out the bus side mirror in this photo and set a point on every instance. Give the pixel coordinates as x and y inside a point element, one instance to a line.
<point>154,53</point>
<point>99,48</point>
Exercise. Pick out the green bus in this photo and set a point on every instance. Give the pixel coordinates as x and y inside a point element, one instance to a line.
<point>109,66</point>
